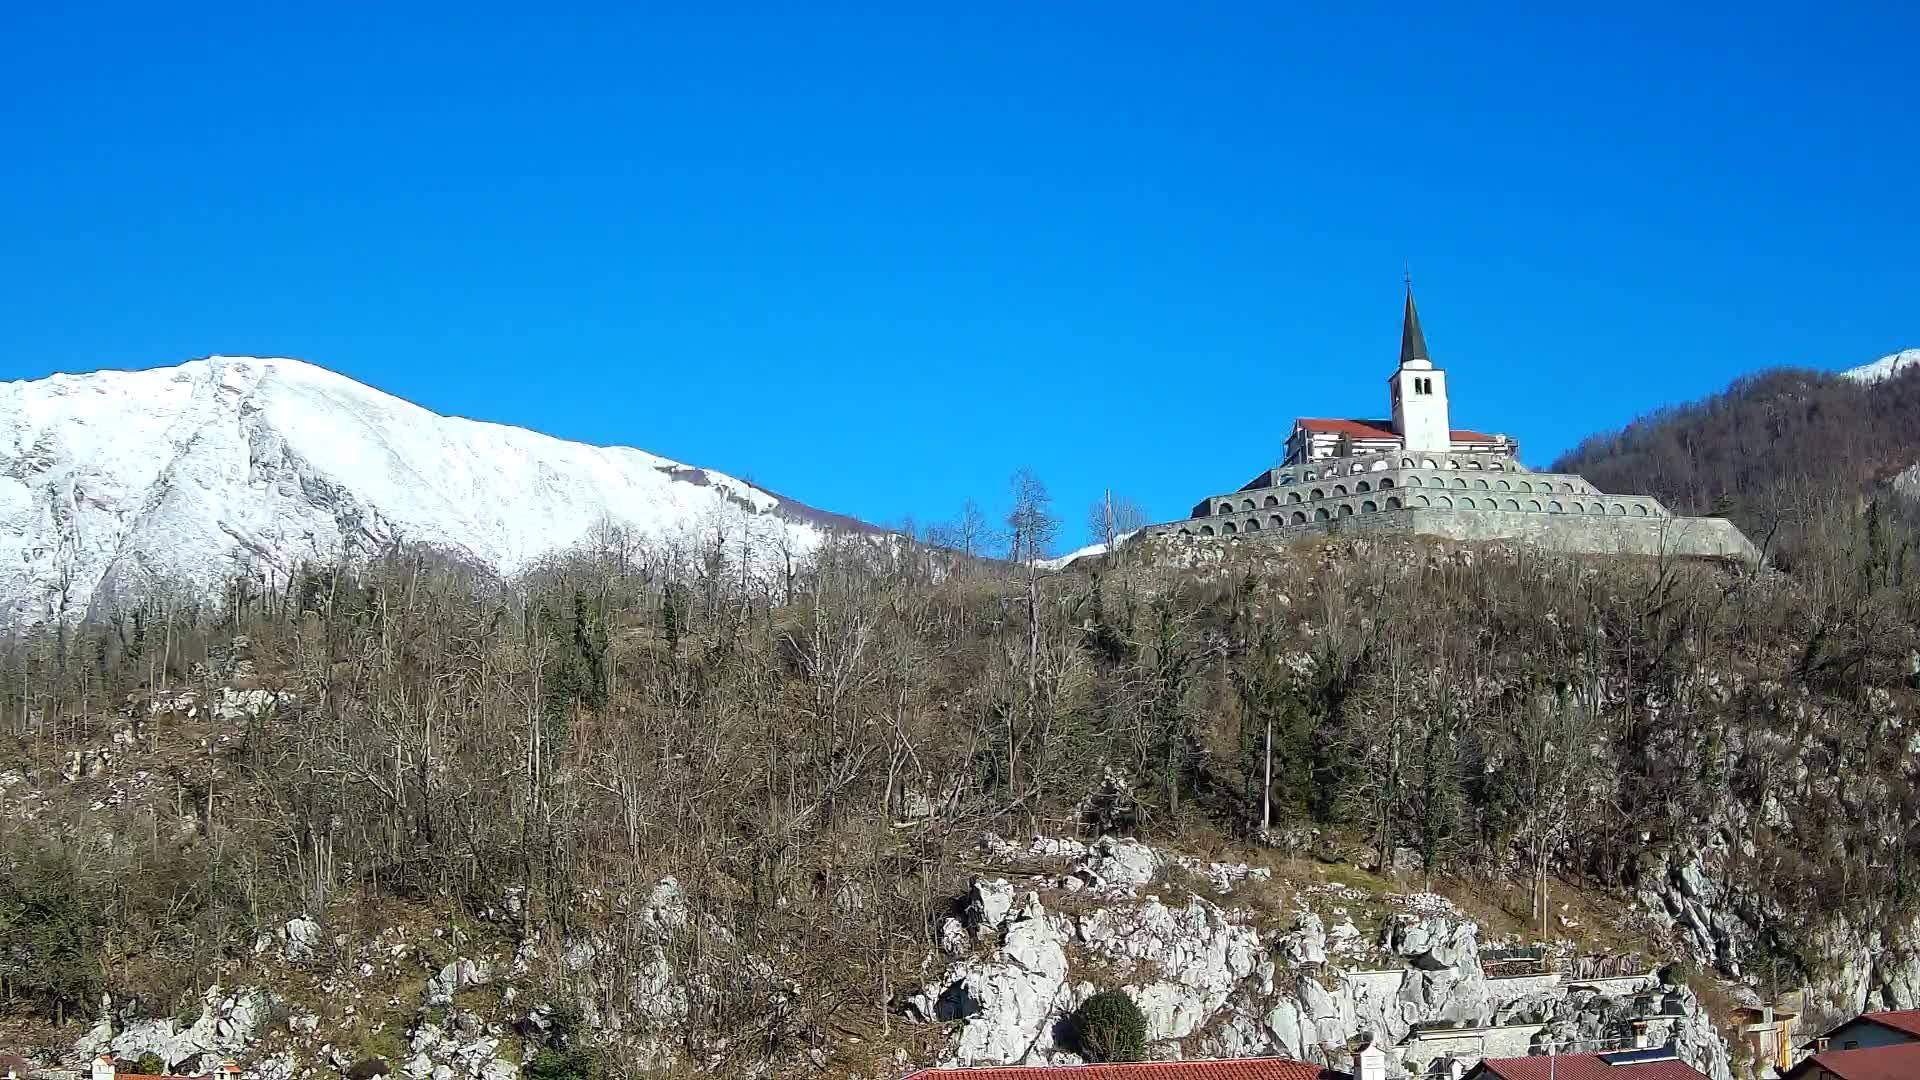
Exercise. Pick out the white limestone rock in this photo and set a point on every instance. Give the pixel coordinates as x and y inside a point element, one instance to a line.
<point>989,901</point>
<point>1307,942</point>
<point>299,938</point>
<point>1007,1003</point>
<point>1119,866</point>
<point>225,1027</point>
<point>1200,955</point>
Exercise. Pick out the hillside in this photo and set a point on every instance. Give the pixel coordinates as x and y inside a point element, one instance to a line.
<point>1778,452</point>
<point>117,485</point>
<point>666,807</point>
<point>625,809</point>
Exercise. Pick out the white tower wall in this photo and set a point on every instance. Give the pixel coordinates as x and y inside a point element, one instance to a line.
<point>1420,414</point>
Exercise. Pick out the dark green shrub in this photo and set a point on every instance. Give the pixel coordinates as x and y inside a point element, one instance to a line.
<point>551,1064</point>
<point>1109,1027</point>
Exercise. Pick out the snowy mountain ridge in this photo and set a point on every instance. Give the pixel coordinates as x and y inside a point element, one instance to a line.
<point>116,484</point>
<point>1884,368</point>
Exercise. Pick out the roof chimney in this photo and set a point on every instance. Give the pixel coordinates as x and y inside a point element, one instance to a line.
<point>103,1067</point>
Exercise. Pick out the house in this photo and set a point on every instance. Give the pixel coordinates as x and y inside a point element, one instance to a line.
<point>1231,1069</point>
<point>1767,1031</point>
<point>1873,1029</point>
<point>1657,1063</point>
<point>1890,1061</point>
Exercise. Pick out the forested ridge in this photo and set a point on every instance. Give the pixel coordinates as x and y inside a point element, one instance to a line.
<point>813,750</point>
<point>1776,452</point>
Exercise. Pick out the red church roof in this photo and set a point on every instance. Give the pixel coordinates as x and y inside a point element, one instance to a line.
<point>1375,429</point>
<point>1237,1069</point>
<point>1357,429</point>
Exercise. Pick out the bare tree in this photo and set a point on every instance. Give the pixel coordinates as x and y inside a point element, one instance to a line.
<point>1113,516</point>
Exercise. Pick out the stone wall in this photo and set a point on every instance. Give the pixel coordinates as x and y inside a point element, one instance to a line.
<point>1460,496</point>
<point>1348,496</point>
<point>1516,987</point>
<point>1470,1044</point>
<point>1571,533</point>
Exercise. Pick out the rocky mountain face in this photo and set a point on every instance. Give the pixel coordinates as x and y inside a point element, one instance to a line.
<point>1217,971</point>
<point>118,485</point>
<point>1217,978</point>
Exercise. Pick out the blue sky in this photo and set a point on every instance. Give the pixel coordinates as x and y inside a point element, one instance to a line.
<point>877,257</point>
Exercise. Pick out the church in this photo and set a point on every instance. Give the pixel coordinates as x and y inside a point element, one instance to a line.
<point>1415,473</point>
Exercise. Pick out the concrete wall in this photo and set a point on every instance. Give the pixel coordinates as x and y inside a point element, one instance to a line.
<point>1625,985</point>
<point>1468,1045</point>
<point>1513,988</point>
<point>1460,496</point>
<point>1377,483</point>
<point>1567,532</point>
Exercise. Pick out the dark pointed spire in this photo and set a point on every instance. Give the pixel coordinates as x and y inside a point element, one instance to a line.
<point>1413,343</point>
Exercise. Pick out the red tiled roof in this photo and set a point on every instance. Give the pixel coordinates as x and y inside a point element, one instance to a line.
<point>1358,429</point>
<point>1375,429</point>
<point>1237,1069</point>
<point>1901,1061</point>
<point>1907,1020</point>
<point>1584,1067</point>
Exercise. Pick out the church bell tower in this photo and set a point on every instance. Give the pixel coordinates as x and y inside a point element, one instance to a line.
<point>1419,390</point>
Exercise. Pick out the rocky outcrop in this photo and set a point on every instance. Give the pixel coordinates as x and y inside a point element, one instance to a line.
<point>1215,982</point>
<point>1009,1003</point>
<point>226,1027</point>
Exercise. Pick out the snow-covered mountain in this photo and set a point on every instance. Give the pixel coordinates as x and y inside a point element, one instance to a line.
<point>119,482</point>
<point>1885,367</point>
